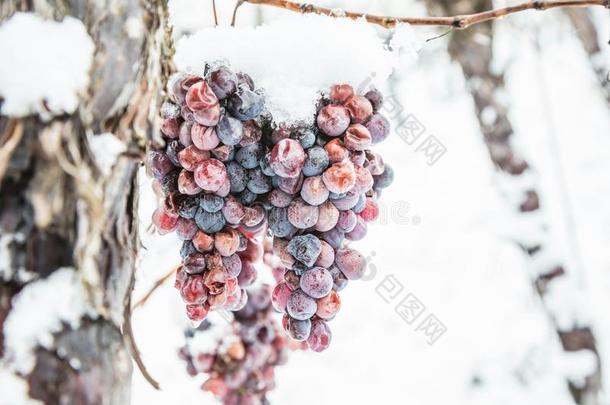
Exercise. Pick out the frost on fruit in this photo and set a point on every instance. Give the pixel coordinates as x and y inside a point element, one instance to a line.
<point>227,185</point>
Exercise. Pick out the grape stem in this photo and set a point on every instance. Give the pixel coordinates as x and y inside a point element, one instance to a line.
<point>458,22</point>
<point>215,14</point>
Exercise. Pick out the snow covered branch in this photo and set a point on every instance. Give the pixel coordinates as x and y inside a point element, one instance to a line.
<point>457,21</point>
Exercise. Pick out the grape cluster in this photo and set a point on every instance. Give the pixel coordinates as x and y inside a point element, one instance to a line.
<point>228,172</point>
<point>240,370</point>
<point>334,180</point>
<point>208,181</point>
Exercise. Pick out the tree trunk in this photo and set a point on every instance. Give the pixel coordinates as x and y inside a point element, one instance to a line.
<point>59,209</point>
<point>584,27</point>
<point>472,49</point>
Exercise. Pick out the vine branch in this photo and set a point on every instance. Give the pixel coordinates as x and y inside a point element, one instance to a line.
<point>457,22</point>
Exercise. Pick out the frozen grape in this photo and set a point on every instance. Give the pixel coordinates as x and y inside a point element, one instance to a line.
<point>186,229</point>
<point>328,306</point>
<point>287,158</point>
<point>340,177</point>
<point>319,336</point>
<point>278,222</point>
<point>249,156</point>
<point>170,127</point>
<point>159,164</point>
<point>328,215</point>
<point>351,263</point>
<point>305,136</point>
<point>191,156</point>
<point>379,128</point>
<point>210,174</point>
<point>316,282</point>
<point>229,130</point>
<point>258,183</point>
<point>384,179</point>
<point>203,242</point>
<point>301,214</point>
<point>279,198</point>
<point>305,248</point>
<point>164,222</point>
<point>376,98</point>
<point>187,184</point>
<point>209,222</point>
<point>232,264</point>
<point>360,109</point>
<point>357,138</point>
<point>300,306</point>
<point>333,120</point>
<point>223,82</point>
<point>327,255</point>
<point>245,104</point>
<point>313,191</point>
<point>200,97</point>
<point>359,230</point>
<point>211,202</point>
<point>347,221</point>
<point>340,93</point>
<point>280,295</point>
<point>204,138</point>
<point>299,329</point>
<point>252,133</point>
<point>315,162</point>
<point>370,211</point>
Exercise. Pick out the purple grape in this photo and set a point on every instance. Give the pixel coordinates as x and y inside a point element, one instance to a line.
<point>347,221</point>
<point>301,214</point>
<point>229,130</point>
<point>249,156</point>
<point>245,104</point>
<point>301,306</point>
<point>299,329</point>
<point>316,282</point>
<point>211,202</point>
<point>232,264</point>
<point>320,336</point>
<point>265,165</point>
<point>280,295</point>
<point>305,136</point>
<point>259,183</point>
<point>187,206</point>
<point>247,197</point>
<point>305,248</point>
<point>333,120</point>
<point>287,158</point>
<point>279,198</point>
<point>278,222</point>
<point>223,82</point>
<point>359,230</point>
<point>159,164</point>
<point>328,215</point>
<point>384,179</point>
<point>375,98</point>
<point>351,263</point>
<point>379,128</point>
<point>313,191</point>
<point>315,162</point>
<point>209,222</point>
<point>238,176</point>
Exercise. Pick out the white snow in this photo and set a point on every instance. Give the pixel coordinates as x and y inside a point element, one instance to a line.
<point>106,150</point>
<point>45,64</point>
<point>293,58</point>
<point>14,390</point>
<point>38,311</point>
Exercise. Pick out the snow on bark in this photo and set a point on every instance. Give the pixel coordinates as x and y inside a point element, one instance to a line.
<point>68,197</point>
<point>40,310</point>
<point>40,73</point>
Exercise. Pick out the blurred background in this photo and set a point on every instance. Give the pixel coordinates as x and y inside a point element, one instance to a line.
<point>489,269</point>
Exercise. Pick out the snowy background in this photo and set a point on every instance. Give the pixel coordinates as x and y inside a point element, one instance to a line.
<point>447,230</point>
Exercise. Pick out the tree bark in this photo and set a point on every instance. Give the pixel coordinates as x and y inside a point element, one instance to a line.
<point>586,30</point>
<point>59,209</point>
<point>472,49</point>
